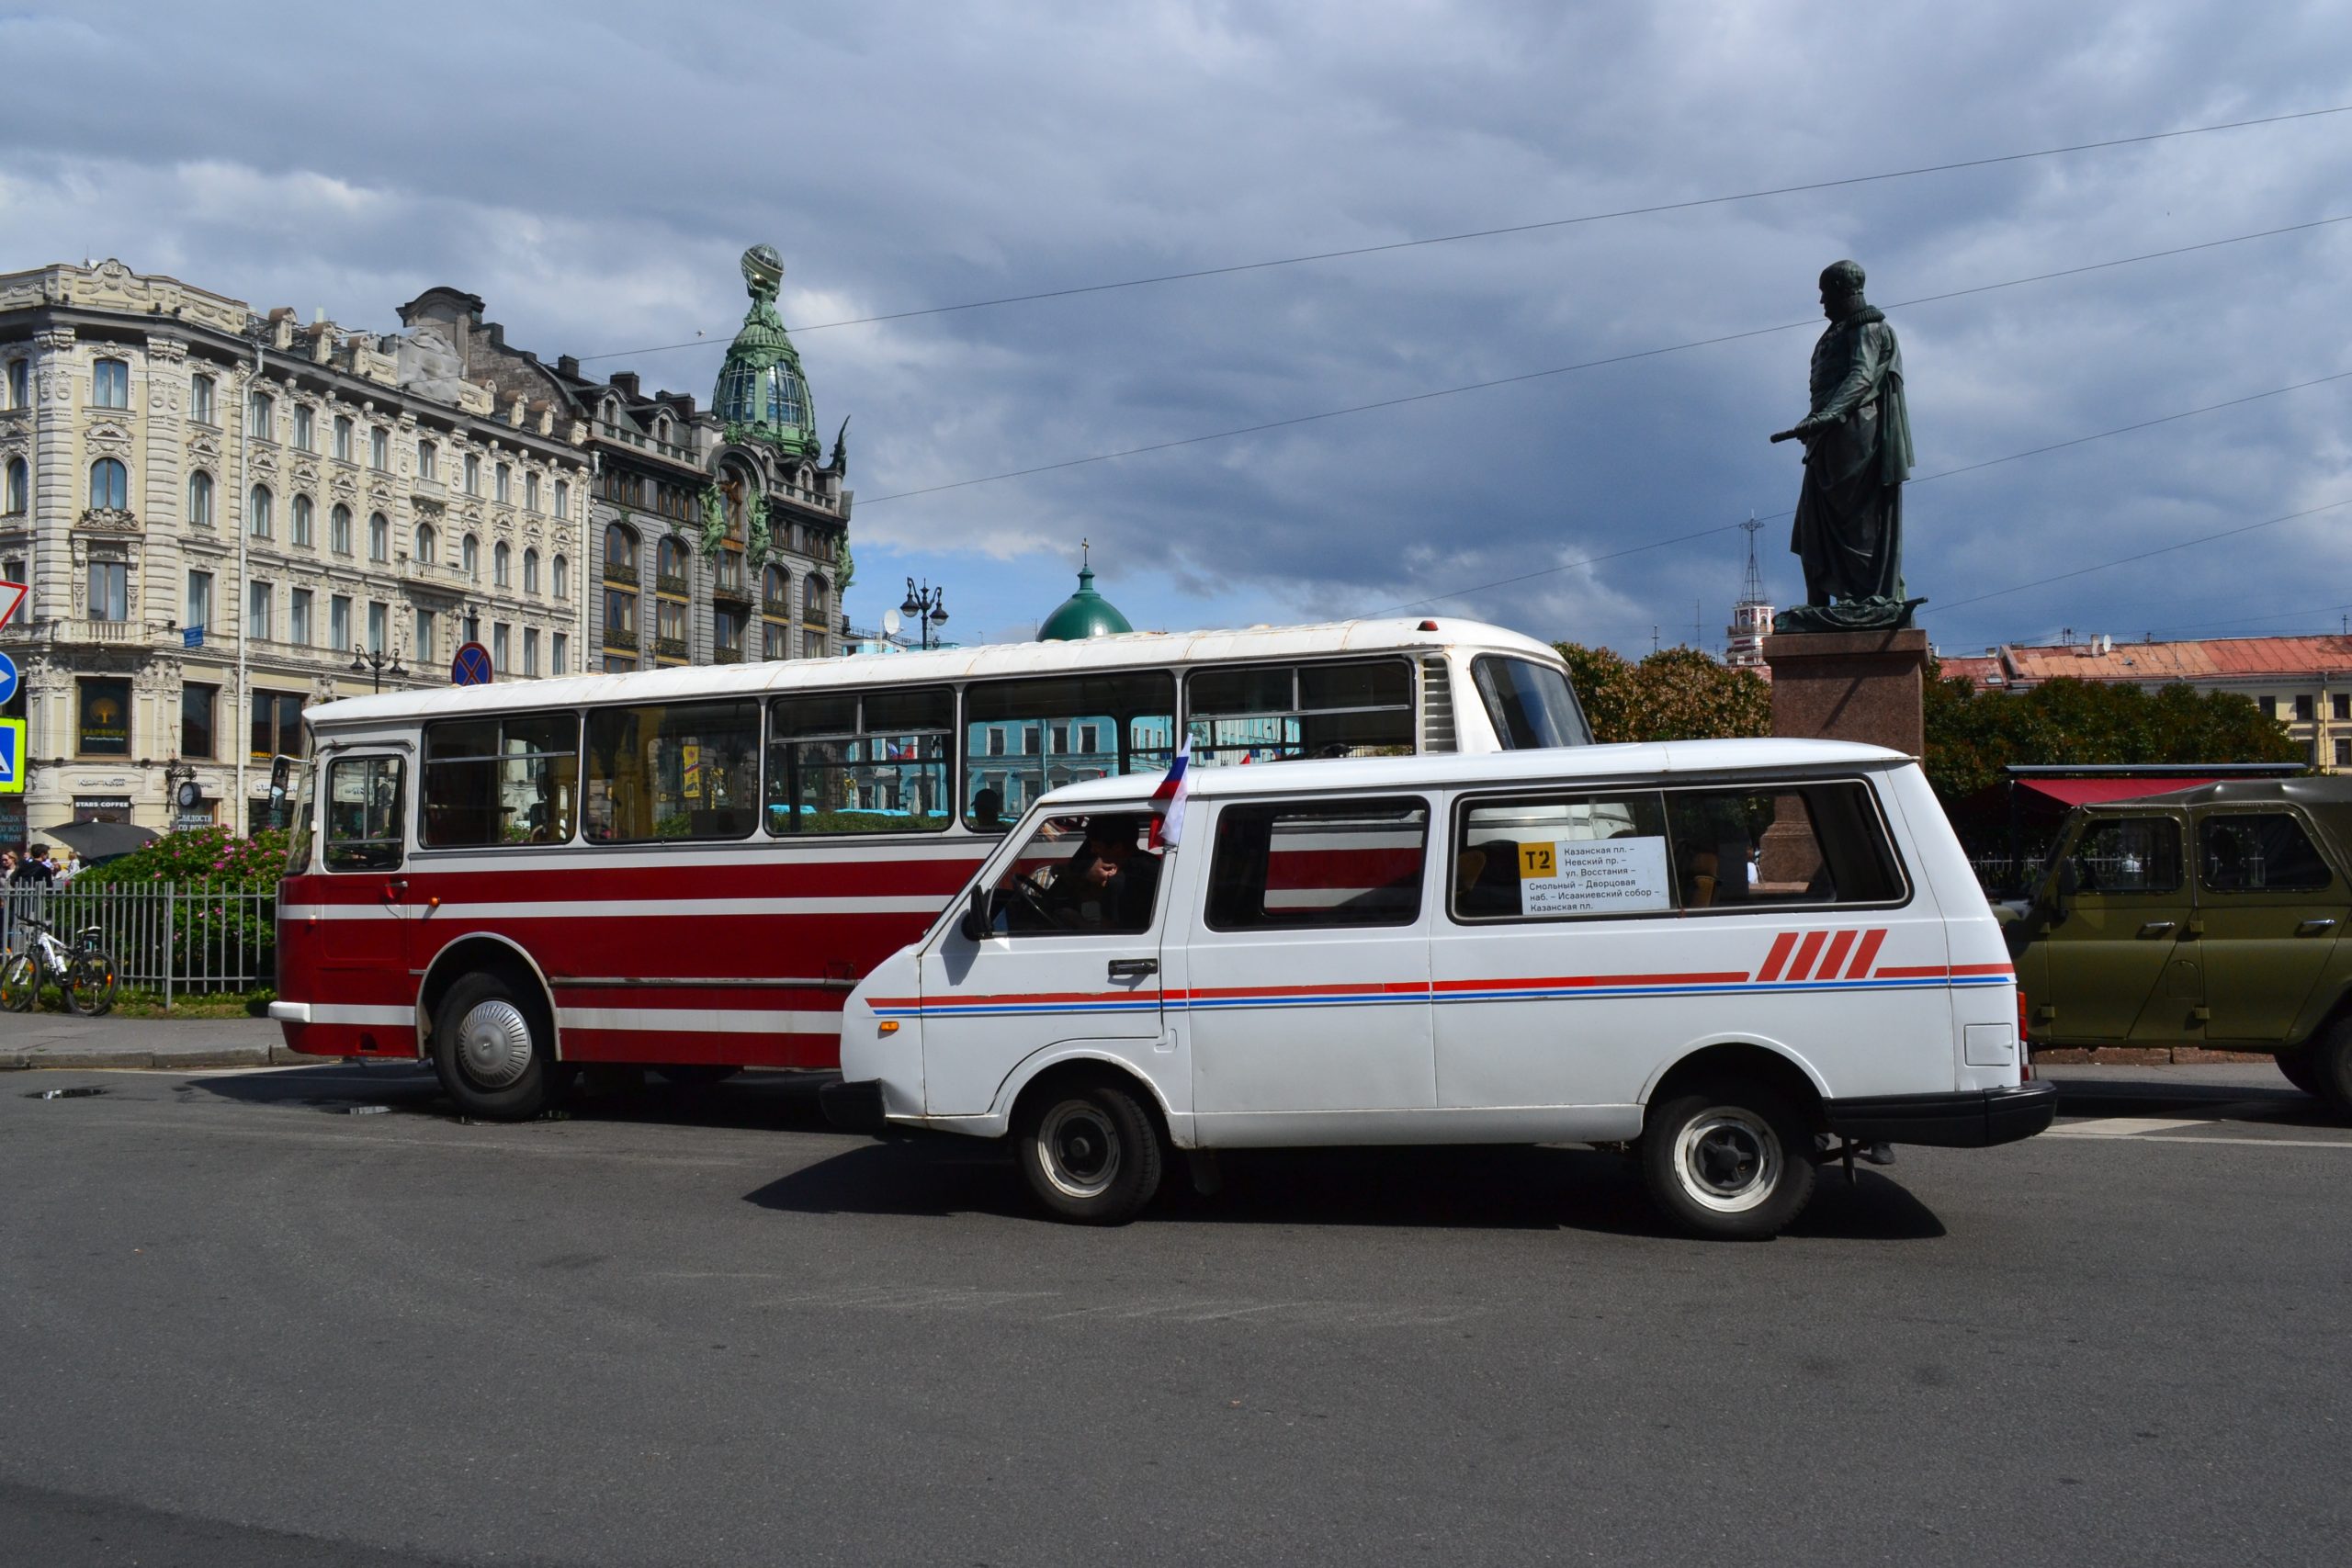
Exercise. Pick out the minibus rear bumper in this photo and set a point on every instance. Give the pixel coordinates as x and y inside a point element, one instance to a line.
<point>1970,1119</point>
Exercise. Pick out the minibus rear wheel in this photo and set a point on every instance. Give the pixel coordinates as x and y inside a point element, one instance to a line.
<point>1088,1150</point>
<point>491,1050</point>
<point>1728,1159</point>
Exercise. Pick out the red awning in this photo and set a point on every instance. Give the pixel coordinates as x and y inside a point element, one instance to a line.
<point>2090,791</point>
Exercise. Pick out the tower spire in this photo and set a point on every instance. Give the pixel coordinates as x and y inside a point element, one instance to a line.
<point>1751,617</point>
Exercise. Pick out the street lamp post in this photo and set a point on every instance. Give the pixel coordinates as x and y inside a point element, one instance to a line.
<point>372,664</point>
<point>927,608</point>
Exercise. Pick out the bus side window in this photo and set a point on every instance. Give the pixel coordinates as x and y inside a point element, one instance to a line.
<point>840,762</point>
<point>667,773</point>
<point>1024,738</point>
<point>363,813</point>
<point>1269,713</point>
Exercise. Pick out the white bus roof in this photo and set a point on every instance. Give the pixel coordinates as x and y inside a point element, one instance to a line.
<point>1131,651</point>
<point>1635,760</point>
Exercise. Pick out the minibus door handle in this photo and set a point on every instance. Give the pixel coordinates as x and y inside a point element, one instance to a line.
<point>1134,968</point>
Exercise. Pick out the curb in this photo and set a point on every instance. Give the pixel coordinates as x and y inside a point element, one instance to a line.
<point>190,1058</point>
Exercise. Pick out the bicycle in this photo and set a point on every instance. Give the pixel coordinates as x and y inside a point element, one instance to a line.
<point>85,972</point>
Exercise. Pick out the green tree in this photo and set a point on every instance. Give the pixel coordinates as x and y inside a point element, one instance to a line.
<point>1676,693</point>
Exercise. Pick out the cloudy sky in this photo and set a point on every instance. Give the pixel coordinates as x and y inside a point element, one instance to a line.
<point>593,172</point>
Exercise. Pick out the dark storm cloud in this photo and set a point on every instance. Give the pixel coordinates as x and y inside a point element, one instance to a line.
<point>593,171</point>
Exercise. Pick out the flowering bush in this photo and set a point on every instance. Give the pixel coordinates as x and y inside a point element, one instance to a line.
<point>210,855</point>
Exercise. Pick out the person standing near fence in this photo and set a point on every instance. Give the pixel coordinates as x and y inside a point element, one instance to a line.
<point>36,872</point>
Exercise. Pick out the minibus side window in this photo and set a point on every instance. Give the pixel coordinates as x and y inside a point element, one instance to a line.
<point>1799,844</point>
<point>1563,857</point>
<point>1316,864</point>
<point>1268,713</point>
<point>839,762</point>
<point>363,807</point>
<point>1024,738</point>
<point>498,781</point>
<point>1078,875</point>
<point>673,772</point>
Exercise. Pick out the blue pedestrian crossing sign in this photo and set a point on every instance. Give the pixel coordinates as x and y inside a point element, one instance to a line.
<point>7,677</point>
<point>471,667</point>
<point>12,756</point>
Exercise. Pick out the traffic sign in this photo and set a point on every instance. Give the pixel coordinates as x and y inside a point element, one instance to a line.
<point>12,594</point>
<point>12,756</point>
<point>471,667</point>
<point>7,677</point>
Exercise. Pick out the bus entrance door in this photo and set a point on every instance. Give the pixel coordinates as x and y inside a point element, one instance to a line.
<point>363,911</point>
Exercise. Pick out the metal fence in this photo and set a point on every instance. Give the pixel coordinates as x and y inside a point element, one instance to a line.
<point>170,938</point>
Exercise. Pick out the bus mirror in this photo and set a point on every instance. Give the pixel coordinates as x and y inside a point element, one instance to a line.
<point>975,924</point>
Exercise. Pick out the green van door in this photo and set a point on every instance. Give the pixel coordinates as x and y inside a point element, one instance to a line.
<point>2122,960</point>
<point>2271,908</point>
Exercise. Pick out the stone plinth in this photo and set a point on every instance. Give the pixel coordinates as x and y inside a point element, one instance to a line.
<point>1861,686</point>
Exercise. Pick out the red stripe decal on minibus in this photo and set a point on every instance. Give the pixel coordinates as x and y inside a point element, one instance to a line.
<point>1778,956</point>
<point>1802,964</point>
<point>1836,956</point>
<point>1866,954</point>
<point>2001,969</point>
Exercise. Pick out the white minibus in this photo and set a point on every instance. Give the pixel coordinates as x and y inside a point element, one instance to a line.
<point>1740,958</point>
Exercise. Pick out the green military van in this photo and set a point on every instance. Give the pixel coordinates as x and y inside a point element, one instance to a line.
<point>2215,916</point>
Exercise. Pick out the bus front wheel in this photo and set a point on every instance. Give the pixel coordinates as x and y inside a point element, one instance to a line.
<point>491,1051</point>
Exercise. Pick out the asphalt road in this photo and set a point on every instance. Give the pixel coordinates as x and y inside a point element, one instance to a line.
<point>244,1327</point>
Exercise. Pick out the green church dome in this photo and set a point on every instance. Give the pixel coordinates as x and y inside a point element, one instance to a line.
<point>1083,615</point>
<point>761,394</point>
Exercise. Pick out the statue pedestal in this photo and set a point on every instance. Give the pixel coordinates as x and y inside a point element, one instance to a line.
<point>1862,686</point>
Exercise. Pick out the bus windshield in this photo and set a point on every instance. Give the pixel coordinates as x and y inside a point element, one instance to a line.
<point>1531,706</point>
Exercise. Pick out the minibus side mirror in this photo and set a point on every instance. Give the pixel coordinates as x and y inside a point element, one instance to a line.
<point>975,921</point>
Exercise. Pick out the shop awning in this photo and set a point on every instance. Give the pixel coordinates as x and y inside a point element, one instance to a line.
<point>2091,792</point>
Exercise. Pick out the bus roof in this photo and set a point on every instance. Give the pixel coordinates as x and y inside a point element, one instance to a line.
<point>1132,651</point>
<point>1629,761</point>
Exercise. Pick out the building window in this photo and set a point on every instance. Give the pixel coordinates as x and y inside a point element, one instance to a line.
<point>380,537</point>
<point>498,647</point>
<point>812,602</point>
<point>306,433</point>
<point>110,384</point>
<point>110,484</point>
<point>562,578</point>
<point>257,519</point>
<point>2305,708</point>
<point>620,555</point>
<point>559,654</point>
<point>339,530</point>
<point>200,500</point>
<point>198,706</point>
<point>502,484</point>
<point>620,618</point>
<point>562,498</point>
<point>2340,706</point>
<point>380,618</point>
<point>775,641</point>
<point>428,460</point>
<point>277,724</point>
<point>670,629</point>
<point>199,402</point>
<point>469,558</point>
<point>530,652</point>
<point>103,727</point>
<point>2269,706</point>
<point>20,485</point>
<point>342,436</point>
<point>502,565</point>
<point>379,448</point>
<point>530,572</point>
<point>2344,754</point>
<point>530,492</point>
<point>260,417</point>
<point>20,380</point>
<point>474,474</point>
<point>109,590</point>
<point>428,635</point>
<point>297,617</point>
<point>425,542</point>
<point>306,521</point>
<point>339,623</point>
<point>199,600</point>
<point>257,598</point>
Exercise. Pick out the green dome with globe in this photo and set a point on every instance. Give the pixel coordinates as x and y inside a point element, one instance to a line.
<point>761,394</point>
<point>1083,615</point>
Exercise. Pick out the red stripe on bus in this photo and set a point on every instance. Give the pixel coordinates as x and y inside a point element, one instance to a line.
<point>1802,964</point>
<point>1866,954</point>
<point>1778,956</point>
<point>1831,959</point>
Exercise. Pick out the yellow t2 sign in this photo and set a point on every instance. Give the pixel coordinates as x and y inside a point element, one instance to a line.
<point>1538,860</point>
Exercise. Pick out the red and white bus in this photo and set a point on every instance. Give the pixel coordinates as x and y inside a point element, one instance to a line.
<point>688,869</point>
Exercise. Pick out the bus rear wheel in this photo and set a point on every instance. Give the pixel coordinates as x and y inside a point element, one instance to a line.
<point>1730,1161</point>
<point>493,1052</point>
<point>1088,1150</point>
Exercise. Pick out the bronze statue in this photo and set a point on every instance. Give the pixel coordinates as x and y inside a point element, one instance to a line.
<point>1849,529</point>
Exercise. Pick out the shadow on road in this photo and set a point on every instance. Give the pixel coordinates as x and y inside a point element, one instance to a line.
<point>781,1101</point>
<point>1501,1189</point>
<point>2153,1095</point>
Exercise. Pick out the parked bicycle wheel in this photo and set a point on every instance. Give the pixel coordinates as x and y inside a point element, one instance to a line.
<point>19,983</point>
<point>89,983</point>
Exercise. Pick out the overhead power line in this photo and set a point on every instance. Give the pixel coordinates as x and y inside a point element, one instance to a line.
<point>1649,211</point>
<point>1569,369</point>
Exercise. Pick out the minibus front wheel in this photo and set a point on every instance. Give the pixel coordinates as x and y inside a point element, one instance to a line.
<point>1088,1148</point>
<point>1730,1161</point>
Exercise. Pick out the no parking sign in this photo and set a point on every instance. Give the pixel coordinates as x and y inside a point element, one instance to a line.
<point>471,667</point>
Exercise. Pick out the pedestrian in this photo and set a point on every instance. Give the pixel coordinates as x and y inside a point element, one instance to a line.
<point>36,872</point>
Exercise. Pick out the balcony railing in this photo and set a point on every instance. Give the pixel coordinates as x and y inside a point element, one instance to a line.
<point>728,656</point>
<point>776,609</point>
<point>668,647</point>
<point>429,490</point>
<point>618,573</point>
<point>725,593</point>
<point>624,639</point>
<point>667,583</point>
<point>87,631</point>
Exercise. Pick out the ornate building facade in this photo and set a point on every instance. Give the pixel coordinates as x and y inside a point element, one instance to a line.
<point>221,511</point>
